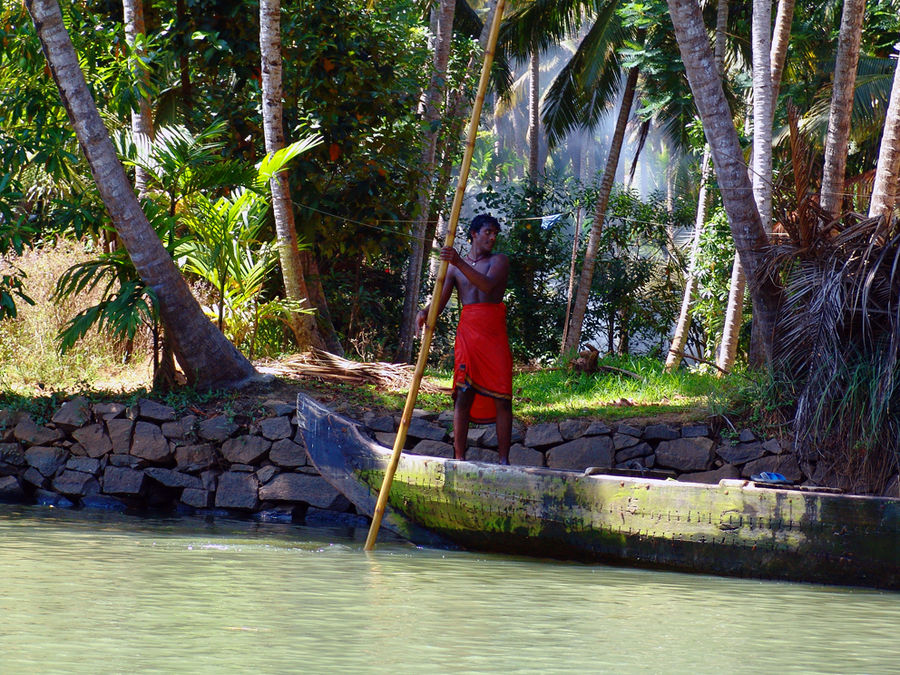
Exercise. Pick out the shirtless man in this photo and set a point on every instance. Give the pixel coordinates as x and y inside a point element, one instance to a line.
<point>482,375</point>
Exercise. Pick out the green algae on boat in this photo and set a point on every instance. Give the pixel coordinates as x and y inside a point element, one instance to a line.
<point>735,528</point>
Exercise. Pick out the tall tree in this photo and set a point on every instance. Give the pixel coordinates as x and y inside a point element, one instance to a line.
<point>534,116</point>
<point>737,192</point>
<point>886,190</point>
<point>208,359</point>
<point>303,324</point>
<point>430,112</point>
<point>141,119</point>
<point>846,61</point>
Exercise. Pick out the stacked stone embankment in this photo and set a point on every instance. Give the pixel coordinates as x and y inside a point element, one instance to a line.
<point>145,456</point>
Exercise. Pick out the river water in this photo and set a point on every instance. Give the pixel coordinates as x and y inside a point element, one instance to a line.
<point>94,593</point>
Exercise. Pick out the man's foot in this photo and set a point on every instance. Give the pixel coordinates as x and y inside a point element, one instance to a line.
<point>504,461</point>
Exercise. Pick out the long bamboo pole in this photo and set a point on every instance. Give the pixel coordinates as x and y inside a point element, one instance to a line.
<point>439,282</point>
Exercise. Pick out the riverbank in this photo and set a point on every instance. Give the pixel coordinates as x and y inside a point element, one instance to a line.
<point>250,460</point>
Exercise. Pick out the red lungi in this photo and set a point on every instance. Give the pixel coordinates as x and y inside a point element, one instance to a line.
<point>482,358</point>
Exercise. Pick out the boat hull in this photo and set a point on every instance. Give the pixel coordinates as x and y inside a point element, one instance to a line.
<point>735,528</point>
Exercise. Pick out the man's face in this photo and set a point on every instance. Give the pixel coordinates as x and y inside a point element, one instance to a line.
<point>485,237</point>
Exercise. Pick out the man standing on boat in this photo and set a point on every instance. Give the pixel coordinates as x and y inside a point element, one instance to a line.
<point>482,374</point>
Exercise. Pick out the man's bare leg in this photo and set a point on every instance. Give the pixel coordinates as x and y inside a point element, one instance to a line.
<point>461,409</point>
<point>504,428</point>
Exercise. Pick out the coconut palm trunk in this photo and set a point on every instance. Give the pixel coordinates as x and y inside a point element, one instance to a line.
<point>683,325</point>
<point>207,358</point>
<point>887,174</point>
<point>846,61</point>
<point>429,110</point>
<point>579,307</point>
<point>534,117</point>
<point>141,120</point>
<point>302,324</point>
<point>737,196</point>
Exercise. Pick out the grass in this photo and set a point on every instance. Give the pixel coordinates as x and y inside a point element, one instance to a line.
<point>35,377</point>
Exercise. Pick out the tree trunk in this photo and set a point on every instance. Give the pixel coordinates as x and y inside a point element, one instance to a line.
<point>887,174</point>
<point>579,309</point>
<point>846,60</point>
<point>683,326</point>
<point>429,110</point>
<point>534,117</point>
<point>780,38</point>
<point>303,325</point>
<point>208,359</point>
<point>141,120</point>
<point>746,226</point>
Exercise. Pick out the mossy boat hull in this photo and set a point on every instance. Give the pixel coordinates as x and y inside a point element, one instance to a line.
<point>735,528</point>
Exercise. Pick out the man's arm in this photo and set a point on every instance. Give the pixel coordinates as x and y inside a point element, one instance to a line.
<point>446,292</point>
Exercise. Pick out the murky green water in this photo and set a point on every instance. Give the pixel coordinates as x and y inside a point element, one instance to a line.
<point>102,593</point>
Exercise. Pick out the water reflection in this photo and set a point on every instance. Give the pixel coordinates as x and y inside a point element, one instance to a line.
<point>92,593</point>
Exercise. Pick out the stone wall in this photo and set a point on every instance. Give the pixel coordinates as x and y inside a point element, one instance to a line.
<point>107,455</point>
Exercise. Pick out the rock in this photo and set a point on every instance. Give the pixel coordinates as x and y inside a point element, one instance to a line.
<point>543,435</point>
<point>482,455</point>
<point>774,447</point>
<point>279,407</point>
<point>299,487</point>
<point>640,450</point>
<point>423,429</point>
<point>522,455</point>
<point>124,460</point>
<point>12,453</point>
<point>489,440</point>
<point>741,453</point>
<point>171,478</point>
<point>47,460</point>
<point>694,430</point>
<point>275,428</point>
<point>84,464</point>
<point>195,457</point>
<point>108,411</point>
<point>622,441</point>
<point>660,432</point>
<point>149,443</point>
<point>476,435</point>
<point>386,439</point>
<point>30,433</point>
<point>287,454</point>
<point>199,499</point>
<point>154,412</point>
<point>244,468</point>
<point>597,429</point>
<point>11,489</point>
<point>383,423</point>
<point>572,429</point>
<point>120,434</point>
<point>76,483</point>
<point>47,498</point>
<point>746,436</point>
<point>245,449</point>
<point>123,481</point>
<point>433,449</point>
<point>266,473</point>
<point>786,465</point>
<point>35,477</point>
<point>217,429</point>
<point>581,453</point>
<point>726,471</point>
<point>237,490</point>
<point>73,414</point>
<point>685,454</point>
<point>628,430</point>
<point>94,439</point>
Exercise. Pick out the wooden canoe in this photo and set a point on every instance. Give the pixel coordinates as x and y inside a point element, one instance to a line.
<point>735,528</point>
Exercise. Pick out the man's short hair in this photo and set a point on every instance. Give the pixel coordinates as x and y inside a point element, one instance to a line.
<point>480,221</point>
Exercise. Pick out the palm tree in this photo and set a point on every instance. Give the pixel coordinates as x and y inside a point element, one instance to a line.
<point>746,225</point>
<point>141,120</point>
<point>886,191</point>
<point>846,61</point>
<point>208,359</point>
<point>303,324</point>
